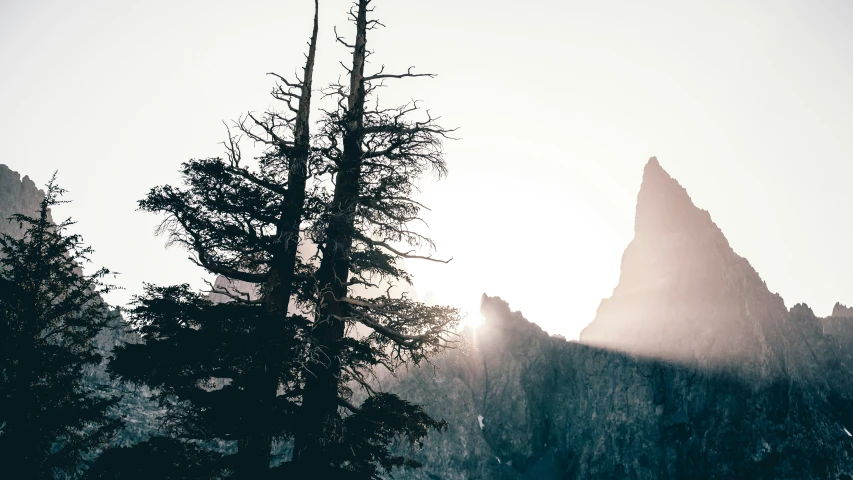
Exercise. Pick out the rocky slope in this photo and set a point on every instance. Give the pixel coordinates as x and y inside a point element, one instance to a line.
<point>692,369</point>
<point>523,405</point>
<point>684,295</point>
<point>17,195</point>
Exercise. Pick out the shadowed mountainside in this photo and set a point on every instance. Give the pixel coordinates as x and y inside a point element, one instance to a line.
<point>692,369</point>
<point>522,404</point>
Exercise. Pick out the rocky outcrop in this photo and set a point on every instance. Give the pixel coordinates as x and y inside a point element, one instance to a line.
<point>692,369</point>
<point>841,311</point>
<point>17,195</point>
<point>685,296</point>
<point>525,405</point>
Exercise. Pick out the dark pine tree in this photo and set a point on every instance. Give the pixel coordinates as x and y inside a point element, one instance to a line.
<point>227,372</point>
<point>50,314</point>
<point>201,359</point>
<point>374,155</point>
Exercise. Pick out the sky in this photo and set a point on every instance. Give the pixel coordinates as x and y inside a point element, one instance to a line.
<point>559,104</point>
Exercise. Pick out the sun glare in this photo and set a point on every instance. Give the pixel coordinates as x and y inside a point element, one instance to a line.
<point>468,302</point>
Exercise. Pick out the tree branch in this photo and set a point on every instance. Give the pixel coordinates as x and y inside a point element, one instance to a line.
<point>408,74</point>
<point>408,255</point>
<point>227,293</point>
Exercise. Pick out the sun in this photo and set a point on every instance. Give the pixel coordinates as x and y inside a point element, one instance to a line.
<point>467,302</point>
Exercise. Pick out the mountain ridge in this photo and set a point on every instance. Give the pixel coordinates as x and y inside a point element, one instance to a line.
<point>691,369</point>
<point>685,295</point>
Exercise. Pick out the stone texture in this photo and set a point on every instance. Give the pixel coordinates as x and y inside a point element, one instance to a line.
<point>553,409</point>
<point>17,195</point>
<point>684,295</point>
<point>842,311</point>
<point>692,369</point>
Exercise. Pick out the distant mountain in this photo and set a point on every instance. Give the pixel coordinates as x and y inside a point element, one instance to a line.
<point>841,311</point>
<point>692,369</point>
<point>684,295</point>
<point>17,195</point>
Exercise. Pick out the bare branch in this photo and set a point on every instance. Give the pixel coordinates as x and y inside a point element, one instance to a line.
<point>352,408</point>
<point>341,40</point>
<point>408,74</point>
<point>226,271</point>
<point>407,255</point>
<point>245,298</point>
<point>284,80</point>
<point>408,341</point>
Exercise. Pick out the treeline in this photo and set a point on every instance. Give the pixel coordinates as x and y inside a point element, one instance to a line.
<point>286,359</point>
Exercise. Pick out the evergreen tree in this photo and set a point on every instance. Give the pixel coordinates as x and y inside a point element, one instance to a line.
<point>200,359</point>
<point>285,363</point>
<point>50,314</point>
<point>375,155</point>
<point>226,372</point>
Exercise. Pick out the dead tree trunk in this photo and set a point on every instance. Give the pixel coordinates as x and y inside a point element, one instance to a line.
<point>254,450</point>
<point>320,399</point>
<point>374,155</point>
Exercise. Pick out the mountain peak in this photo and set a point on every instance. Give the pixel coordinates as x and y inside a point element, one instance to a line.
<point>17,195</point>
<point>842,311</point>
<point>684,294</point>
<point>653,167</point>
<point>663,206</point>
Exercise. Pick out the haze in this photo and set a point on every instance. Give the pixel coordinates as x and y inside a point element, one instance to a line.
<point>559,103</point>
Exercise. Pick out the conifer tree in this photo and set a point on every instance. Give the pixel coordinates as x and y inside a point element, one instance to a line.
<point>50,313</point>
<point>287,362</point>
<point>375,155</point>
<point>226,371</point>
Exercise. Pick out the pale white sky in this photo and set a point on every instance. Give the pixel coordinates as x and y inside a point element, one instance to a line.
<point>559,103</point>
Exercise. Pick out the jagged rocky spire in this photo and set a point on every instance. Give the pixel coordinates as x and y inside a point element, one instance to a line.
<point>842,311</point>
<point>17,195</point>
<point>685,295</point>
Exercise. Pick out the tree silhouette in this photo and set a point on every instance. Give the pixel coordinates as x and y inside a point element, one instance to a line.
<point>375,155</point>
<point>50,314</point>
<point>284,357</point>
<point>226,371</point>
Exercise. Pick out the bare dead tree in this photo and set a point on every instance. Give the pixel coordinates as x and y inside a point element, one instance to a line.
<point>374,155</point>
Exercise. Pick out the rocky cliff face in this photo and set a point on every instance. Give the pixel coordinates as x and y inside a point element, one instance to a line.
<point>692,369</point>
<point>523,405</point>
<point>17,195</point>
<point>684,295</point>
<point>841,311</point>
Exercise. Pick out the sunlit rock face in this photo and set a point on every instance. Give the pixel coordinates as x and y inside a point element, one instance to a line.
<point>17,195</point>
<point>692,369</point>
<point>684,295</point>
<point>841,311</point>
